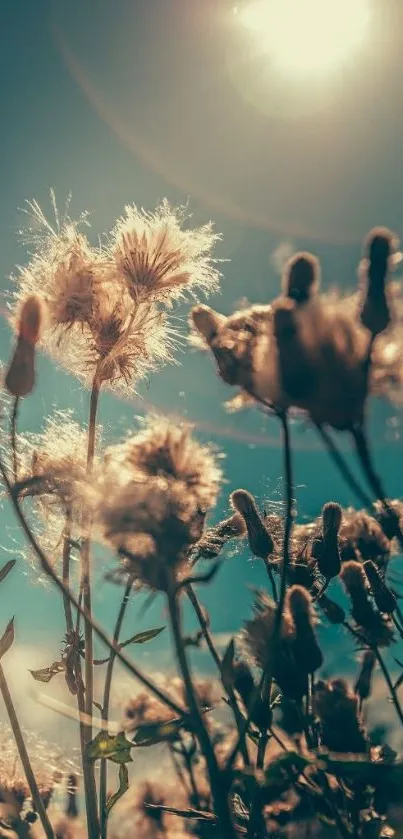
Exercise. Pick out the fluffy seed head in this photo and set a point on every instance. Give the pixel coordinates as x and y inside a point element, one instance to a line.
<point>301,277</point>
<point>160,260</point>
<point>214,539</point>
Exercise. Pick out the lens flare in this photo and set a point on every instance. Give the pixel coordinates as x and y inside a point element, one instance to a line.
<point>307,37</point>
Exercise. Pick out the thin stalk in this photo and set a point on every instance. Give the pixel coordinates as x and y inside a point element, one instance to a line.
<point>343,467</point>
<point>189,766</point>
<point>271,579</point>
<point>66,572</point>
<point>13,436</point>
<point>266,675</point>
<point>216,658</point>
<point>218,783</point>
<point>89,776</point>
<point>99,631</point>
<point>103,777</point>
<point>19,739</point>
<point>385,671</point>
<point>374,481</point>
<point>179,771</point>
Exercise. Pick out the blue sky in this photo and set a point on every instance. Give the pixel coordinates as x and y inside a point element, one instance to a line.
<point>125,101</point>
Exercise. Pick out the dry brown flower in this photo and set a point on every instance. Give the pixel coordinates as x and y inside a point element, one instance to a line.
<point>341,726</point>
<point>158,258</point>
<point>260,540</point>
<point>150,498</point>
<point>301,277</point>
<point>374,627</point>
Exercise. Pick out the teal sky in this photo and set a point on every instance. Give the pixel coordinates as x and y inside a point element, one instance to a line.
<point>118,101</point>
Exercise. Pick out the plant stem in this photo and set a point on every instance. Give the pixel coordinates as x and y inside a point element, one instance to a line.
<point>48,569</point>
<point>218,783</point>
<point>89,774</point>
<point>374,481</point>
<point>105,706</point>
<point>66,572</point>
<point>19,739</point>
<point>13,436</point>
<point>267,673</point>
<point>216,658</point>
<point>385,671</point>
<point>271,579</point>
<point>343,467</point>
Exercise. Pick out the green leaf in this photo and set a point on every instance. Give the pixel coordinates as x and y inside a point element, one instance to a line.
<point>47,673</point>
<point>7,639</point>
<point>152,733</point>
<point>284,770</point>
<point>140,638</point>
<point>123,787</point>
<point>227,665</point>
<point>107,747</point>
<point>6,569</point>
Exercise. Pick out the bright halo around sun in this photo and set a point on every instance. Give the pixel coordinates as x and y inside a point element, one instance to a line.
<point>307,37</point>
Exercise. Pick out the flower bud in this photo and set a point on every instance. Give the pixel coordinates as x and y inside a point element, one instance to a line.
<point>364,681</point>
<point>301,277</point>
<point>331,518</point>
<point>384,598</point>
<point>380,246</point>
<point>20,377</point>
<point>31,319</point>
<point>307,653</point>
<point>325,549</point>
<point>260,541</point>
<point>214,539</point>
<point>207,322</point>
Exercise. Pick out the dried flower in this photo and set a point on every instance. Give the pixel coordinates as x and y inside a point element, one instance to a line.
<point>306,650</point>
<point>301,277</point>
<point>384,598</point>
<point>150,498</point>
<point>380,245</point>
<point>363,684</point>
<point>374,627</point>
<point>260,540</point>
<point>341,726</point>
<point>158,259</point>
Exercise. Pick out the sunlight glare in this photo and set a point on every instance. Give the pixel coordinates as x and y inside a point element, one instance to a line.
<point>307,37</point>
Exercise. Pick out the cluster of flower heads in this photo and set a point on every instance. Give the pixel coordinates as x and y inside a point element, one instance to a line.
<point>105,307</point>
<point>150,496</point>
<point>320,353</point>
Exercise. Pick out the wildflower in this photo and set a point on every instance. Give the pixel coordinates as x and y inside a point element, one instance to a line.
<point>373,626</point>
<point>363,684</point>
<point>325,548</point>
<point>20,377</point>
<point>380,245</point>
<point>341,726</point>
<point>383,597</point>
<point>214,539</point>
<point>257,637</point>
<point>160,260</point>
<point>150,498</point>
<point>306,650</point>
<point>301,277</point>
<point>260,540</point>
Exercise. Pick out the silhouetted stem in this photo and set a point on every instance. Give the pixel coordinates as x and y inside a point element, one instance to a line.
<point>374,481</point>
<point>218,783</point>
<point>13,435</point>
<point>66,571</point>
<point>385,671</point>
<point>19,739</point>
<point>216,658</point>
<point>48,569</point>
<point>343,467</point>
<point>105,706</point>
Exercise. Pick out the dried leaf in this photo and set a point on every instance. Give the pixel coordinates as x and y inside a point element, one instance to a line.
<point>45,674</point>
<point>106,747</point>
<point>123,787</point>
<point>6,569</point>
<point>7,639</point>
<point>198,815</point>
<point>140,638</point>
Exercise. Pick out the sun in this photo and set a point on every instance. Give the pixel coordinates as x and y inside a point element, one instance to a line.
<point>307,37</point>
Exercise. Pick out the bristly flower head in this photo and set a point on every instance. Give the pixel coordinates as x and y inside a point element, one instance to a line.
<point>301,277</point>
<point>96,324</point>
<point>257,634</point>
<point>325,548</point>
<point>341,725</point>
<point>373,626</point>
<point>214,538</point>
<point>260,540</point>
<point>383,596</point>
<point>306,649</point>
<point>151,495</point>
<point>158,259</point>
